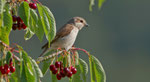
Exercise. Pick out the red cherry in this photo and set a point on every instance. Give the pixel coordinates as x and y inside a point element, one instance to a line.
<point>73,70</point>
<point>7,70</point>
<point>6,66</point>
<point>62,73</point>
<point>12,69</point>
<point>19,20</point>
<point>19,25</point>
<point>14,27</point>
<point>14,17</point>
<point>58,76</point>
<point>57,64</point>
<point>26,0</point>
<point>66,70</point>
<point>69,74</point>
<point>2,70</point>
<point>23,26</point>
<point>55,71</point>
<point>52,67</point>
<point>32,5</point>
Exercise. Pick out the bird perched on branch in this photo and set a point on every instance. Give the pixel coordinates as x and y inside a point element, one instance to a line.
<point>66,35</point>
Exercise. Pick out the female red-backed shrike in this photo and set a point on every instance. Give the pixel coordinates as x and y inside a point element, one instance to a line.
<point>66,35</point>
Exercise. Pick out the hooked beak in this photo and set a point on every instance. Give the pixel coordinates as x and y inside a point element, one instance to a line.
<point>86,25</point>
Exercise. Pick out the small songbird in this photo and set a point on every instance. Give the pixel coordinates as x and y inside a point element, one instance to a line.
<point>66,36</point>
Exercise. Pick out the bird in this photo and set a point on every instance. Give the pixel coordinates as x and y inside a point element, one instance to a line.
<point>66,35</point>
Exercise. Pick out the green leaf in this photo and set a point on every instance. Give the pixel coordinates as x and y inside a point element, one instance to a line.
<point>53,77</point>
<point>13,77</point>
<point>45,66</point>
<point>37,69</point>
<point>51,20</point>
<point>28,34</point>
<point>4,36</point>
<point>92,72</point>
<point>39,30</point>
<point>24,12</point>
<point>7,19</point>
<point>27,68</point>
<point>84,68</point>
<point>99,71</point>
<point>23,75</point>
<point>43,19</point>
<point>100,2</point>
<point>8,57</point>
<point>77,77</point>
<point>48,22</point>
<point>34,15</point>
<point>91,4</point>
<point>33,20</point>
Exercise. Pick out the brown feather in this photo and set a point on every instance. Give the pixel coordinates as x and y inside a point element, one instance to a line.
<point>65,30</point>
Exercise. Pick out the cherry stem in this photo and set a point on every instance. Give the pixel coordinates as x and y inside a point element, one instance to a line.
<point>12,50</point>
<point>73,48</point>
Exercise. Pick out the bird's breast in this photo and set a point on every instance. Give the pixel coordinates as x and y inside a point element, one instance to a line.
<point>68,40</point>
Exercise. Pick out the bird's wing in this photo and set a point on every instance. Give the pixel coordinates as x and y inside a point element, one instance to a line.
<point>65,30</point>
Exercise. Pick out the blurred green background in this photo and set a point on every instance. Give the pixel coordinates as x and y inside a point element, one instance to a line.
<point>119,36</point>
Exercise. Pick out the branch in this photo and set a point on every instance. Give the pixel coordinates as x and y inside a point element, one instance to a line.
<point>41,59</point>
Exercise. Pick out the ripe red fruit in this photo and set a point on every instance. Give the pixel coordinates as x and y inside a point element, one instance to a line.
<point>62,73</point>
<point>14,17</point>
<point>66,70</point>
<point>26,0</point>
<point>6,66</point>
<point>57,64</point>
<point>2,70</point>
<point>32,5</point>
<point>19,20</point>
<point>7,70</point>
<point>19,25</point>
<point>73,70</point>
<point>23,26</point>
<point>69,74</point>
<point>52,67</point>
<point>55,71</point>
<point>58,76</point>
<point>12,69</point>
<point>14,27</point>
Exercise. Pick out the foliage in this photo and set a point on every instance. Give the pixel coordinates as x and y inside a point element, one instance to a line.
<point>40,22</point>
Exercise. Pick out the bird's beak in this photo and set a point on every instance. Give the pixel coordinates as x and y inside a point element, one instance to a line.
<point>86,25</point>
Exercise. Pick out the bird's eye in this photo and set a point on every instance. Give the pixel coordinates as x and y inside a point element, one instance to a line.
<point>81,21</point>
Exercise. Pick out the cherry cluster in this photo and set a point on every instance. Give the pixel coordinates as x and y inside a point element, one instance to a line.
<point>7,68</point>
<point>62,72</point>
<point>19,25</point>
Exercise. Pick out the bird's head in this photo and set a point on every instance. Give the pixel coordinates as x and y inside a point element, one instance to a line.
<point>79,22</point>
